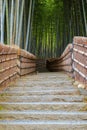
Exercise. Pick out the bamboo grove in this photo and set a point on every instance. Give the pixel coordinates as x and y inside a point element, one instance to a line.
<point>43,27</point>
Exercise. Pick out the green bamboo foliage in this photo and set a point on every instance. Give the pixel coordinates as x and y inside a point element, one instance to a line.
<point>64,20</point>
<point>43,27</point>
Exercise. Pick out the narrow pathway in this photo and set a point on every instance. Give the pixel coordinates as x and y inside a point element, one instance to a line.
<point>46,101</point>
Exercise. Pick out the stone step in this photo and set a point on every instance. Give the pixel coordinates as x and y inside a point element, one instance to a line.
<point>33,85</point>
<point>39,77</point>
<point>44,98</point>
<point>47,79</point>
<point>34,92</point>
<point>43,125</point>
<point>63,106</point>
<point>42,91</point>
<point>40,88</point>
<point>42,115</point>
<point>46,75</point>
<point>45,83</point>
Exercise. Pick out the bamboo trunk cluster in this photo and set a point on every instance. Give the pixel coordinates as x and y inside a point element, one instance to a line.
<point>42,27</point>
<point>12,21</point>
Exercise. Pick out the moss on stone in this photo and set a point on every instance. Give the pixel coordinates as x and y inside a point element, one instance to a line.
<point>84,108</point>
<point>1,107</point>
<point>85,99</point>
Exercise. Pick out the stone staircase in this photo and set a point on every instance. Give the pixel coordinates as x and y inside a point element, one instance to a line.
<point>46,101</point>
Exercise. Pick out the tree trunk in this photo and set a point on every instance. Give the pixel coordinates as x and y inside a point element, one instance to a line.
<point>7,21</point>
<point>84,15</point>
<point>2,21</point>
<point>11,21</point>
<point>20,24</point>
<point>17,22</point>
<point>28,28</point>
